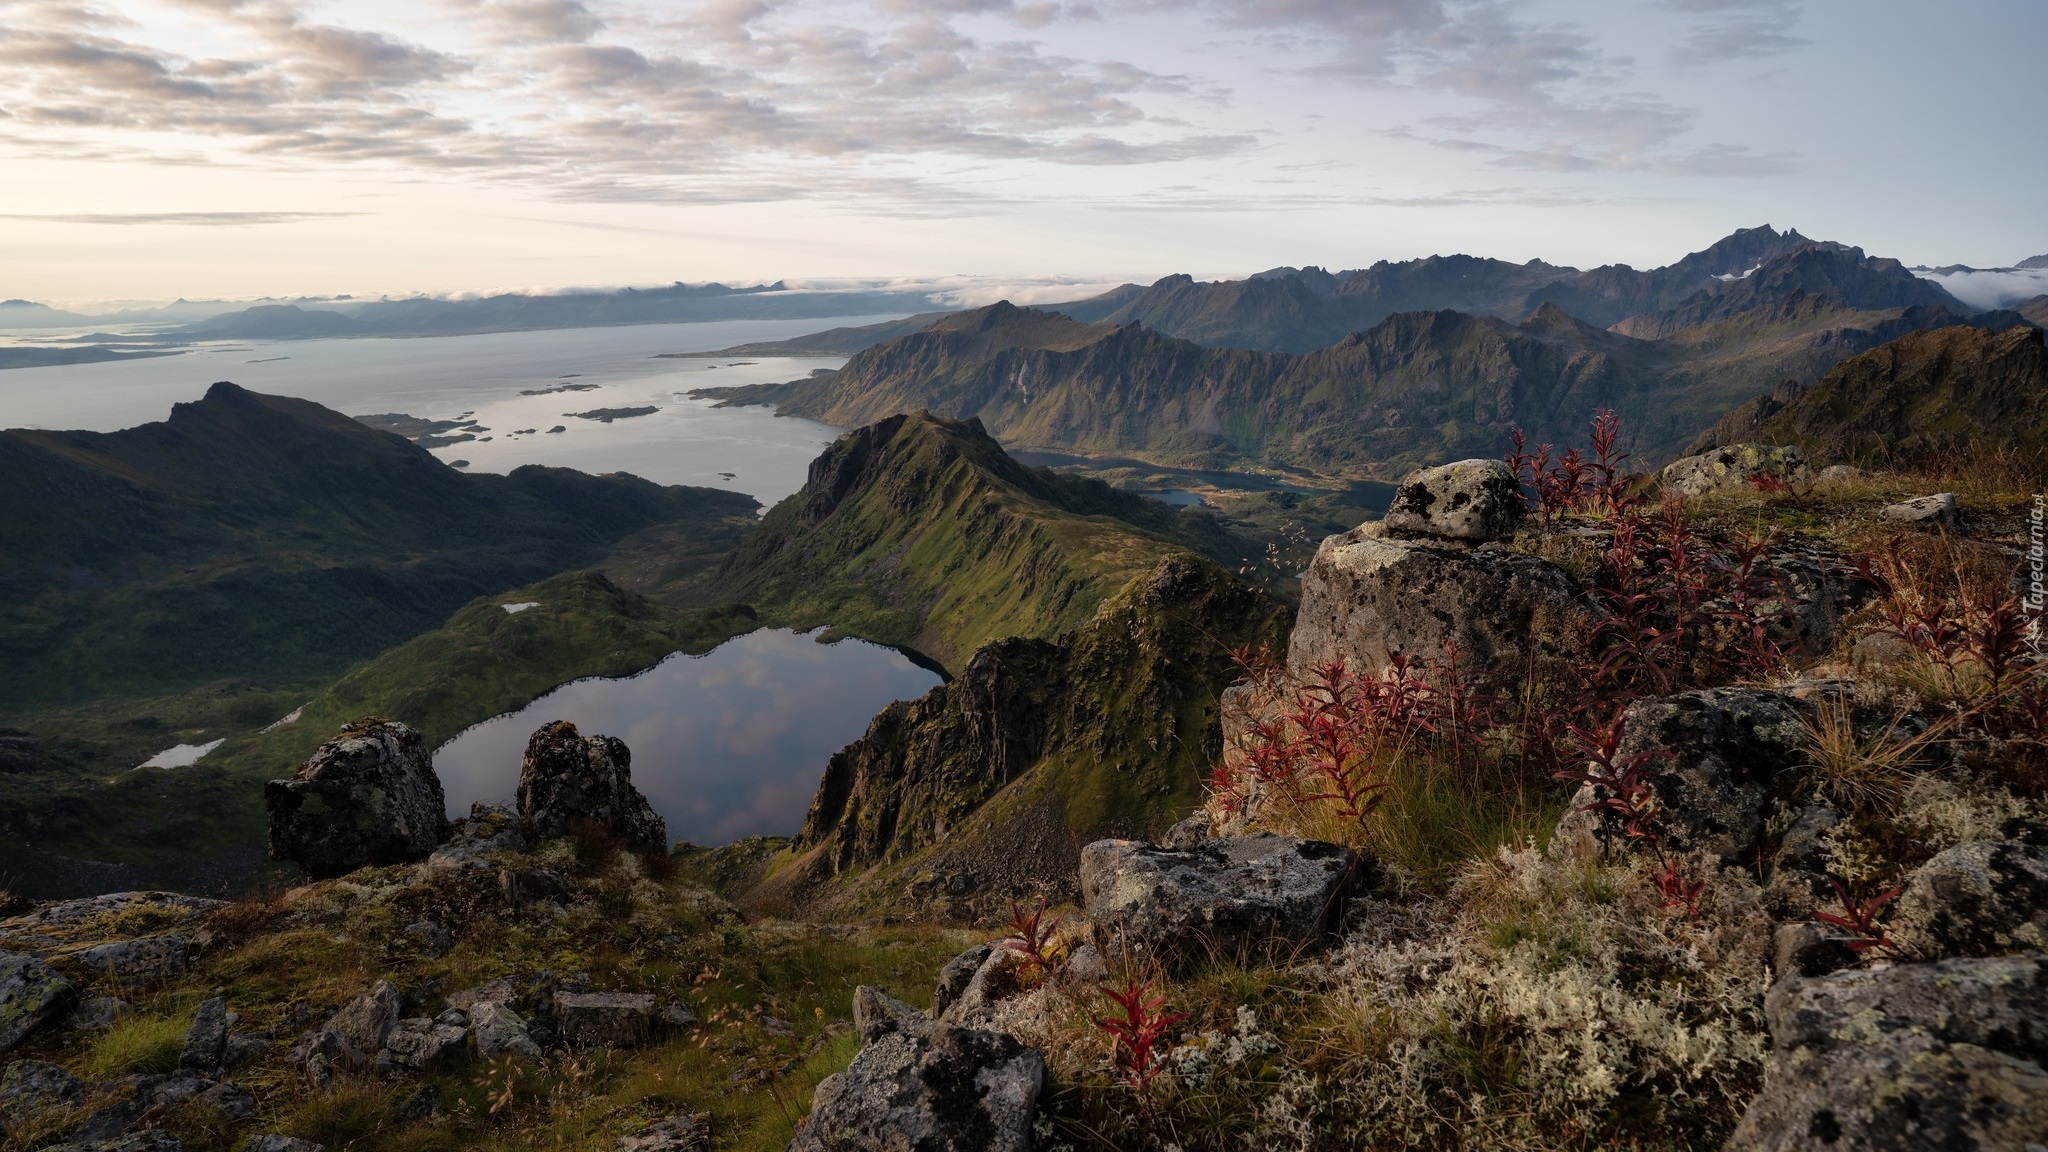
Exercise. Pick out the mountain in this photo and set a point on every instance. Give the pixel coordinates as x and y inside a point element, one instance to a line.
<point>831,342</point>
<point>1842,275</point>
<point>273,322</point>
<point>2033,262</point>
<point>29,314</point>
<point>1952,389</point>
<point>1298,310</point>
<point>271,539</point>
<point>2035,310</point>
<point>921,531</point>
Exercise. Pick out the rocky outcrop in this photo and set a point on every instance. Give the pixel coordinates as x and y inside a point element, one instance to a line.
<point>206,1041</point>
<point>352,1037</point>
<point>496,1030</point>
<point>423,1044</point>
<point>1734,467</point>
<point>368,797</point>
<point>1470,500</point>
<point>690,1133</point>
<point>1716,759</point>
<point>917,1084</point>
<point>32,995</point>
<point>1910,1057</point>
<point>589,1021</point>
<point>472,840</point>
<point>1936,511</point>
<point>567,780</point>
<point>1260,895</point>
<point>1515,618</point>
<point>28,1087</point>
<point>1976,899</point>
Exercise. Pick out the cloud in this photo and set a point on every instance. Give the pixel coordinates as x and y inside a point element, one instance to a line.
<point>1728,30</point>
<point>1991,288</point>
<point>199,219</point>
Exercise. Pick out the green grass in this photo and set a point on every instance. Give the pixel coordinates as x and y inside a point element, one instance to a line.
<point>138,1044</point>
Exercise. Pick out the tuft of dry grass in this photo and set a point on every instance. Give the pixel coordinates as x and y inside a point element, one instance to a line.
<point>139,1044</point>
<point>1867,768</point>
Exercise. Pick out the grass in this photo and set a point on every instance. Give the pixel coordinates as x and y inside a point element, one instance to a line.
<point>136,1044</point>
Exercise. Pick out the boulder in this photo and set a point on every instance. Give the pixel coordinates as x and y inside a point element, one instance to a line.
<point>430,936</point>
<point>1913,1056</point>
<point>1797,882</point>
<point>1186,835</point>
<point>1260,894</point>
<point>97,1012</point>
<point>28,1087</point>
<point>1841,473</point>
<point>1809,949</point>
<point>419,1044</point>
<point>32,994</point>
<point>680,1133</point>
<point>1936,511</point>
<point>276,1143</point>
<point>73,925</point>
<point>918,1084</point>
<point>151,1140</point>
<point>956,975</point>
<point>488,829</point>
<point>1365,597</point>
<point>140,1099</point>
<point>1001,975</point>
<point>207,1040</point>
<point>1717,758</point>
<point>1734,467</point>
<point>588,1021</point>
<point>566,780</point>
<point>367,797</point>
<point>1975,899</point>
<point>1470,500</point>
<point>496,1030</point>
<point>352,1038</point>
<point>143,961</point>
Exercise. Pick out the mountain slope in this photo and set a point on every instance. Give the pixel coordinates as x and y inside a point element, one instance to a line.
<point>272,539</point>
<point>1948,389</point>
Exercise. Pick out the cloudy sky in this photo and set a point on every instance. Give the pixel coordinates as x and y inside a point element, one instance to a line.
<point>158,148</point>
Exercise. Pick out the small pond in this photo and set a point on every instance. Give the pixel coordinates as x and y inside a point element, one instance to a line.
<point>727,744</point>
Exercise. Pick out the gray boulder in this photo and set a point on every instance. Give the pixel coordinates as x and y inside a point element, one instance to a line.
<point>1975,899</point>
<point>1365,597</point>
<point>32,994</point>
<point>496,1030</point>
<point>143,961</point>
<point>1718,757</point>
<point>368,797</point>
<point>928,1086</point>
<point>488,829</point>
<point>1734,467</point>
<point>1470,500</point>
<point>679,1133</point>
<point>276,1143</point>
<point>30,1086</point>
<point>98,1012</point>
<point>1936,511</point>
<point>566,779</point>
<point>1914,1056</point>
<point>588,1021</point>
<point>956,975</point>
<point>206,1041</point>
<point>352,1037</point>
<point>1001,975</point>
<point>419,1044</point>
<point>1262,894</point>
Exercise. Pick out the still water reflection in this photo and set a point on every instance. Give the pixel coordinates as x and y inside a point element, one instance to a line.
<point>727,744</point>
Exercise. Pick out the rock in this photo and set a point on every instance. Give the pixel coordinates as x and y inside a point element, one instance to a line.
<point>1733,468</point>
<point>144,961</point>
<point>1975,899</point>
<point>1912,1056</point>
<point>149,1141</point>
<point>591,1020</point>
<point>1936,511</point>
<point>1808,949</point>
<point>1512,616</point>
<point>678,1018</point>
<point>147,1096</point>
<point>432,937</point>
<point>527,885</point>
<point>367,797</point>
<point>1471,500</point>
<point>498,1031</point>
<point>956,975</point>
<point>1005,973</point>
<point>423,1103</point>
<point>1085,966</point>
<point>419,1044</point>
<point>32,994</point>
<point>27,1087</point>
<point>1797,883</point>
<point>1718,756</point>
<point>566,779</point>
<point>96,1012</point>
<point>207,1040</point>
<point>277,1143</point>
<point>1186,835</point>
<point>495,992</point>
<point>675,1134</point>
<point>488,829</point>
<point>352,1038</point>
<point>927,1086</point>
<point>69,926</point>
<point>245,1048</point>
<point>1838,473</point>
<point>1247,894</point>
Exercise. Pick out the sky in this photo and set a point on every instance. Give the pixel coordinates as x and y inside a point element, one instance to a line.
<point>152,149</point>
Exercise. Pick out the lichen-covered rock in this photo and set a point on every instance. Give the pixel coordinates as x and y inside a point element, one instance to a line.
<point>1717,759</point>
<point>143,961</point>
<point>207,1040</point>
<point>1976,899</point>
<point>566,779</point>
<point>681,1133</point>
<point>1365,597</point>
<point>1002,974</point>
<point>420,1044</point>
<point>1936,511</point>
<point>588,1021</point>
<point>496,1030</point>
<point>32,994</point>
<point>928,1086</point>
<point>471,841</point>
<point>1909,1057</point>
<point>1797,882</point>
<point>72,925</point>
<point>367,797</point>
<point>1260,894</point>
<point>956,975</point>
<point>1734,467</point>
<point>1470,500</point>
<point>1809,949</point>
<point>353,1036</point>
<point>28,1087</point>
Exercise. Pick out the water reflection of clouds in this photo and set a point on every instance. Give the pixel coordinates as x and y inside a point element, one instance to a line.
<point>725,745</point>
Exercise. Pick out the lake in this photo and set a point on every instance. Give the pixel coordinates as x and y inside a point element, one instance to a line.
<point>444,377</point>
<point>727,744</point>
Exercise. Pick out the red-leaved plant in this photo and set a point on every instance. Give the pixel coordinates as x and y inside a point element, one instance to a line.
<point>1138,1037</point>
<point>1033,938</point>
<point>1859,917</point>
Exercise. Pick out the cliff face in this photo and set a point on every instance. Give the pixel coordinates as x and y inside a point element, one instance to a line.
<point>993,781</point>
<point>1925,392</point>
